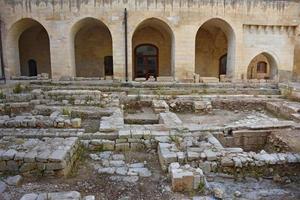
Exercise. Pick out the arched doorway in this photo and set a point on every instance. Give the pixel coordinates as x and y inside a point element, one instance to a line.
<point>30,46</point>
<point>223,65</point>
<point>215,49</point>
<point>32,67</point>
<point>146,61</point>
<point>152,49</point>
<point>262,66</point>
<point>92,48</point>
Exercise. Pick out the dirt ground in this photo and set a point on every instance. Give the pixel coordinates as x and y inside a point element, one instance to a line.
<point>85,180</point>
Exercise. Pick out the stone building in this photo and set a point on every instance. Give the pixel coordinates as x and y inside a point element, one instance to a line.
<point>242,39</point>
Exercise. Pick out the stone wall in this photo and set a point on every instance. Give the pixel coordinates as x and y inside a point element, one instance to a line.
<point>211,45</point>
<point>92,43</point>
<point>40,157</point>
<point>253,140</point>
<point>253,34</point>
<point>34,45</point>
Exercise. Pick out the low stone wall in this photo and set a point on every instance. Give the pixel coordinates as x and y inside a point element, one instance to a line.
<point>23,97</point>
<point>72,195</point>
<point>49,156</point>
<point>75,97</point>
<point>286,109</point>
<point>207,152</point>
<point>170,120</point>
<point>238,104</point>
<point>55,120</point>
<point>249,140</point>
<point>180,105</point>
<point>44,132</point>
<point>160,106</point>
<point>112,123</point>
<point>186,178</point>
<point>15,108</point>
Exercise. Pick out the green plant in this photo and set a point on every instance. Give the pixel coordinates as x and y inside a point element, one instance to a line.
<point>138,98</point>
<point>7,109</point>
<point>176,140</point>
<point>88,98</point>
<point>72,100</point>
<point>2,95</point>
<point>18,89</point>
<point>40,172</point>
<point>66,111</point>
<point>201,187</point>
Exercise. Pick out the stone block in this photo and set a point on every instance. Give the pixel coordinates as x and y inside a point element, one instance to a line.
<point>122,147</point>
<point>9,154</point>
<point>108,145</point>
<point>14,180</point>
<point>57,155</point>
<point>12,165</point>
<point>124,134</point>
<point>30,156</point>
<point>76,122</point>
<point>209,80</point>
<point>137,134</point>
<point>192,155</point>
<point>31,196</point>
<point>137,147</point>
<point>74,195</point>
<point>210,155</point>
<point>25,167</point>
<point>117,163</point>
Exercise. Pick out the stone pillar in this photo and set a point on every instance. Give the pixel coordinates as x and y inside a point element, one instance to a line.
<point>237,69</point>
<point>117,31</point>
<point>184,52</point>
<point>61,50</point>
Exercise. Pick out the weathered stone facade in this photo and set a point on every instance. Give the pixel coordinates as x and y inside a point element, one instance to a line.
<point>72,38</point>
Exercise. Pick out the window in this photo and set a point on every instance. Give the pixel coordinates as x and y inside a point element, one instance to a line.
<point>262,67</point>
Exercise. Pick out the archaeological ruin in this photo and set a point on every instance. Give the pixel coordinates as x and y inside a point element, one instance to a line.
<point>149,99</point>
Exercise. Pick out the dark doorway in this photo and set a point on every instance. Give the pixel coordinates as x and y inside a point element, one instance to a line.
<point>108,65</point>
<point>32,68</point>
<point>146,61</point>
<point>262,67</point>
<point>223,65</point>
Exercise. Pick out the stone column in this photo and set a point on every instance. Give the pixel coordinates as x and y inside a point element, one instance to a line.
<point>117,31</point>
<point>184,52</point>
<point>61,50</point>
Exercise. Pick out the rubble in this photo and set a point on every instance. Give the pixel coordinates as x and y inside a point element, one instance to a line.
<point>45,134</point>
<point>110,163</point>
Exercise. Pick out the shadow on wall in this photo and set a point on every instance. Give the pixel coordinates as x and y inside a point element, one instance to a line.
<point>215,40</point>
<point>92,44</point>
<point>29,46</point>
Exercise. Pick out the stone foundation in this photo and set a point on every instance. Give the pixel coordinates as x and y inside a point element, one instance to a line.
<point>49,156</point>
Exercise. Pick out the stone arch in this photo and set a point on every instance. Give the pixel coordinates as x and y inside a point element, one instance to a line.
<point>91,46</point>
<point>271,65</point>
<point>156,32</point>
<point>28,40</point>
<point>214,39</point>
